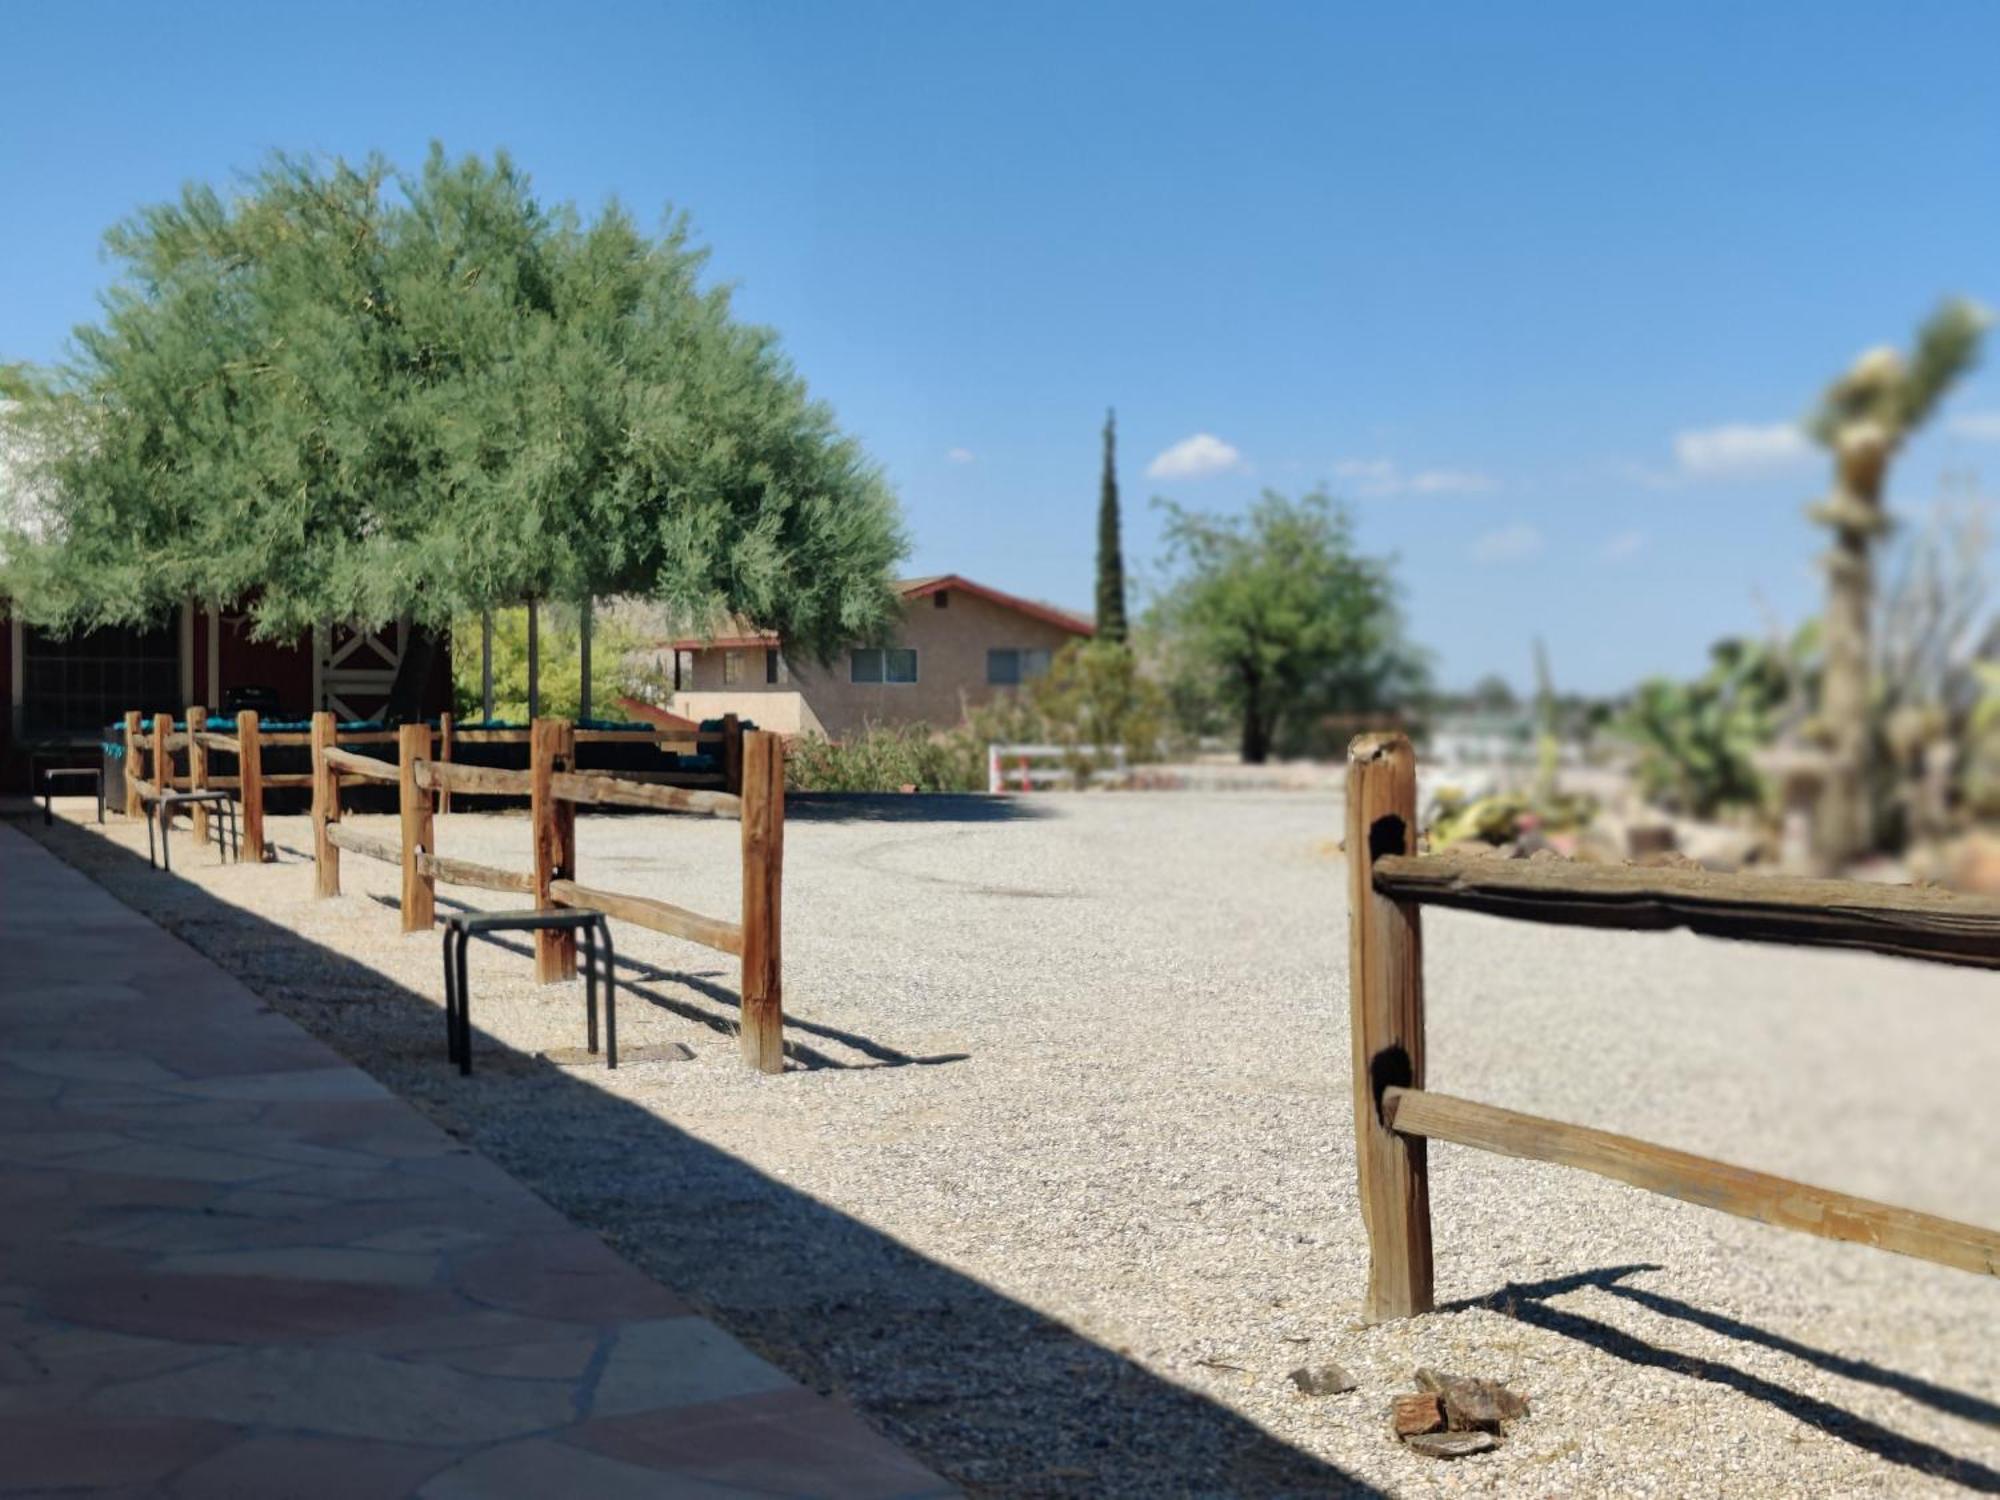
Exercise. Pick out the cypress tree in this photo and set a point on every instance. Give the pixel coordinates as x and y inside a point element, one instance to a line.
<point>1111,625</point>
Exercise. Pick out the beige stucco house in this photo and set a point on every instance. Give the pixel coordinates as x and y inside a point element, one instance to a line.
<point>959,644</point>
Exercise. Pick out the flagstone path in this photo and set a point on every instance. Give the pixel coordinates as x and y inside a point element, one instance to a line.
<point>232,1264</point>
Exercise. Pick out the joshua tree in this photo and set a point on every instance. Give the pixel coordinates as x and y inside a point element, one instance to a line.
<point>1111,624</point>
<point>1863,420</point>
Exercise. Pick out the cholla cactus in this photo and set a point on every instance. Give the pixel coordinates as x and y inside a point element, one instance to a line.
<point>1863,419</point>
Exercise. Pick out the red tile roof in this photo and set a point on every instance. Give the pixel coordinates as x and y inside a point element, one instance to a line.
<point>739,634</point>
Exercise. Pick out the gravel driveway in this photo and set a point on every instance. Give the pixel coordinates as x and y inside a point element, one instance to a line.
<point>1060,1186</point>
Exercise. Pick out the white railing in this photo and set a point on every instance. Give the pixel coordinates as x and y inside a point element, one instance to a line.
<point>1012,768</point>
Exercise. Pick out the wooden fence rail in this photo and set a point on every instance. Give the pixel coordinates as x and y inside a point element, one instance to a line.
<point>748,787</point>
<point>1396,1115</point>
<point>555,788</point>
<point>149,747</point>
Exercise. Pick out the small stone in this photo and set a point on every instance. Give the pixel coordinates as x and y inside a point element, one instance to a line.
<point>1411,1415</point>
<point>1451,1444</point>
<point>1322,1380</point>
<point>1470,1403</point>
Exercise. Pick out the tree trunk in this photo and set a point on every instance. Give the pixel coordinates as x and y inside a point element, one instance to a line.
<point>1256,725</point>
<point>411,686</point>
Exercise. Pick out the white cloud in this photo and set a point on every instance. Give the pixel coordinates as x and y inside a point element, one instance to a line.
<point>1626,544</point>
<point>1381,477</point>
<point>1196,457</point>
<point>1449,482</point>
<point>1737,449</point>
<point>1508,544</point>
<point>959,456</point>
<point>1980,426</point>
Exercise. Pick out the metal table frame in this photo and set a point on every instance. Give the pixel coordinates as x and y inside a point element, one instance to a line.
<point>47,775</point>
<point>590,926</point>
<point>163,805</point>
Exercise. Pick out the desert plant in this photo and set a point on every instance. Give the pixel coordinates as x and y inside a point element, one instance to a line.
<point>1697,740</point>
<point>1863,420</point>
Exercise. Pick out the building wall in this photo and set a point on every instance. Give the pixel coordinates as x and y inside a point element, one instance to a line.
<point>951,643</point>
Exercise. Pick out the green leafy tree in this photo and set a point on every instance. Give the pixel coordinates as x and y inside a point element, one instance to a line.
<point>1863,420</point>
<point>1287,617</point>
<point>613,648</point>
<point>339,393</point>
<point>1111,622</point>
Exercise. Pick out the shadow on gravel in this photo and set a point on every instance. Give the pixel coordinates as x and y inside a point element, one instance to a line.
<point>879,1054</point>
<point>918,807</point>
<point>992,1394</point>
<point>1529,1303</point>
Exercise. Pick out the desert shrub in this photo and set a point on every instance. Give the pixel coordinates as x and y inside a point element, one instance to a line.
<point>886,759</point>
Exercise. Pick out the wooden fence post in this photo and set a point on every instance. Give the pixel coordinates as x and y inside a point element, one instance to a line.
<point>732,755</point>
<point>552,748</point>
<point>1385,982</point>
<point>250,783</point>
<point>444,754</point>
<point>325,808</point>
<point>763,791</point>
<point>133,807</point>
<point>413,743</point>
<point>163,760</point>
<point>197,722</point>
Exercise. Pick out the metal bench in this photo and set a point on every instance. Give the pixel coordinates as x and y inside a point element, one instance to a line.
<point>590,926</point>
<point>163,805</point>
<point>47,776</point>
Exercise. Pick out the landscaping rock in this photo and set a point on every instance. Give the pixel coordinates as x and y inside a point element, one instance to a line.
<point>1451,1444</point>
<point>1322,1380</point>
<point>1471,1403</point>
<point>1410,1416</point>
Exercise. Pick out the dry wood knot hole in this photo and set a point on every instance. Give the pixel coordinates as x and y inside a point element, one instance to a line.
<point>1389,1069</point>
<point>1387,835</point>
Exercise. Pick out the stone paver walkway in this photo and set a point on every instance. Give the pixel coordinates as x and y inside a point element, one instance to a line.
<point>232,1264</point>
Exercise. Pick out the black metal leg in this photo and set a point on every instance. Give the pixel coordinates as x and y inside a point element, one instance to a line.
<point>152,861</point>
<point>589,987</point>
<point>450,1001</point>
<point>610,996</point>
<point>48,800</point>
<point>464,1011</point>
<point>100,794</point>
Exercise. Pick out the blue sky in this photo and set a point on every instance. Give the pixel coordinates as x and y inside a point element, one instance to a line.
<point>1536,288</point>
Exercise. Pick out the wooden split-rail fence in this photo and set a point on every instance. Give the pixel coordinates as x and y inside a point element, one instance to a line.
<point>151,745</point>
<point>1396,1116</point>
<point>747,784</point>
<point>555,788</point>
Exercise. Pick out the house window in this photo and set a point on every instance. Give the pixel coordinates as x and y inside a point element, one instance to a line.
<point>876,664</point>
<point>774,668</point>
<point>732,668</point>
<point>942,599</point>
<point>1009,666</point>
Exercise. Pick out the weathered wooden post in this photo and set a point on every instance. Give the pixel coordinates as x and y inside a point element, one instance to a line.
<point>763,792</point>
<point>163,763</point>
<point>413,743</point>
<point>250,783</point>
<point>134,808</point>
<point>444,754</point>
<point>732,755</point>
<point>197,723</point>
<point>325,808</point>
<point>1385,983</point>
<point>552,748</point>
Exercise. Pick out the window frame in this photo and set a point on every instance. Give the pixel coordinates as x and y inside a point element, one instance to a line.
<point>882,655</point>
